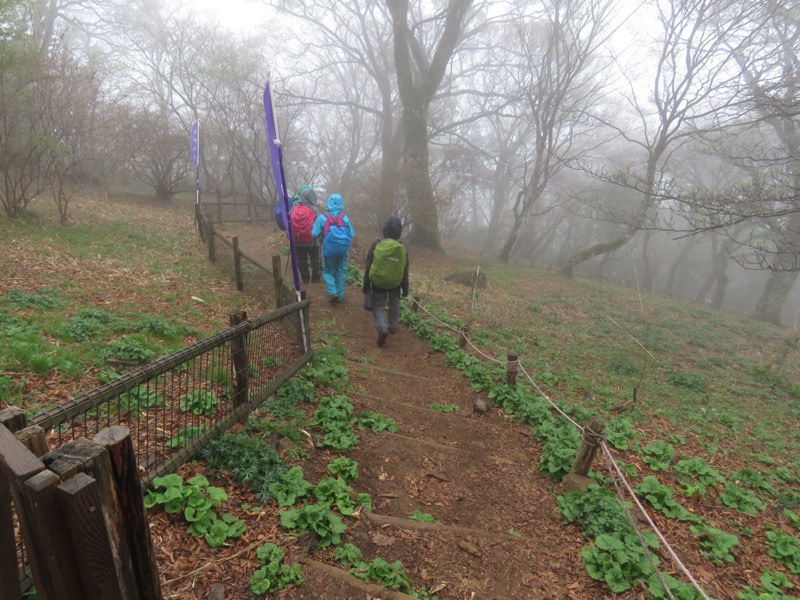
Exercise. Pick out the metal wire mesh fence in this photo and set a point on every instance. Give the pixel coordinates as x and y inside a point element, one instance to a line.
<point>176,404</point>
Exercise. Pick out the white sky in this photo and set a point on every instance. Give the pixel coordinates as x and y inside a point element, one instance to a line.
<point>237,15</point>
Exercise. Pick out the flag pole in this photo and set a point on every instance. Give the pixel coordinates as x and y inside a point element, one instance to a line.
<point>276,159</point>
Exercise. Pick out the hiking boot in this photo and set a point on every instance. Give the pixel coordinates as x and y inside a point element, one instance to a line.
<point>382,335</point>
<point>333,299</point>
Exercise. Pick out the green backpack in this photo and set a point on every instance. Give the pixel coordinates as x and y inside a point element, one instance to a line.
<point>388,264</point>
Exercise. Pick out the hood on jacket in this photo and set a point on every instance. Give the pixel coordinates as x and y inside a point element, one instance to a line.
<point>393,228</point>
<point>335,204</point>
<point>307,195</point>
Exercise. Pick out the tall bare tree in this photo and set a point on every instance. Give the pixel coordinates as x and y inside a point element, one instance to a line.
<point>690,93</point>
<point>557,74</point>
<point>418,78</point>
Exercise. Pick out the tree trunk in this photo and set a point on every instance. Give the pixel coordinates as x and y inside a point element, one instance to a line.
<point>774,295</point>
<point>421,204</point>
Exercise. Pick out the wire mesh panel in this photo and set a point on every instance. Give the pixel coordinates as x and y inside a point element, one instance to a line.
<point>178,403</point>
<point>223,251</point>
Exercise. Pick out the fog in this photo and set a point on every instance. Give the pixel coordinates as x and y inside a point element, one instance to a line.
<point>652,144</point>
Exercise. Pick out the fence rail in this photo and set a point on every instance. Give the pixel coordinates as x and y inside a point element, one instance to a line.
<point>250,275</point>
<point>171,408</point>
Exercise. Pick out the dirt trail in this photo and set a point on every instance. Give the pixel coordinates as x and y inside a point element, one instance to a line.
<point>498,534</point>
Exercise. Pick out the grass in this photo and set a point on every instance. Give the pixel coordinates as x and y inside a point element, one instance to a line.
<point>713,386</point>
<point>122,282</point>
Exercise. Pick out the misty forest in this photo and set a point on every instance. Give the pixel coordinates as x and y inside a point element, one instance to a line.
<point>585,385</point>
<point>652,144</point>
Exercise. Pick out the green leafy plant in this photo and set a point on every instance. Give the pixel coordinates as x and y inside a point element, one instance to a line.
<point>619,563</point>
<point>443,408</point>
<point>185,436</point>
<point>392,576</point>
<point>514,533</point>
<point>785,549</point>
<point>376,422</point>
<point>741,499</point>
<point>658,455</point>
<point>716,545</point>
<point>196,499</point>
<point>340,437</point>
<point>274,574</point>
<point>422,517</point>
<point>349,554</point>
<point>364,501</point>
<point>317,519</point>
<point>336,491</point>
<point>249,459</point>
<point>141,397</point>
<point>775,581</point>
<point>200,402</point>
<point>291,487</point>
<point>223,529</point>
<point>696,476</point>
<point>344,467</point>
<point>333,409</point>
<point>79,330</point>
<point>660,497</point>
<point>752,479</point>
<point>597,511</point>
<point>558,452</point>
<point>128,348</point>
<point>678,590</point>
<point>46,298</point>
<point>621,434</point>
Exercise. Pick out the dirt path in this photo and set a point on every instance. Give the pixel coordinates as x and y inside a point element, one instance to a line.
<point>498,533</point>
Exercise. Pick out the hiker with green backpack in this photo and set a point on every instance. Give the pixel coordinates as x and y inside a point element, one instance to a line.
<point>386,278</point>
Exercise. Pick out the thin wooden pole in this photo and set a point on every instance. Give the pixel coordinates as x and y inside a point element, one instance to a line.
<point>241,381</point>
<point>219,205</point>
<point>462,337</point>
<point>212,253</point>
<point>588,448</point>
<point>277,280</point>
<point>237,264</point>
<point>512,368</point>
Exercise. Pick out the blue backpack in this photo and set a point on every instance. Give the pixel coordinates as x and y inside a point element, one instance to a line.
<point>336,239</point>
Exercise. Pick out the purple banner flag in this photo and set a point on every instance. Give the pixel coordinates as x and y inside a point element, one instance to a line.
<point>194,143</point>
<point>276,160</point>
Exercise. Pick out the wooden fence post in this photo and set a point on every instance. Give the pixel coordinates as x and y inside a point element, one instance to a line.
<point>97,559</point>
<point>13,419</point>
<point>81,456</point>
<point>125,474</point>
<point>201,222</point>
<point>415,304</point>
<point>512,368</point>
<point>50,552</point>
<point>303,330</point>
<point>219,205</point>
<point>588,448</point>
<point>18,465</point>
<point>237,264</point>
<point>241,379</point>
<point>212,253</point>
<point>462,337</point>
<point>278,280</point>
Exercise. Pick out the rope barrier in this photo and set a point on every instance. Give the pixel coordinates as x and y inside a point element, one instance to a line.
<point>653,526</point>
<point>596,440</point>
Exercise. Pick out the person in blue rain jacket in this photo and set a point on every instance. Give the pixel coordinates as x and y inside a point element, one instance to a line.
<point>336,231</point>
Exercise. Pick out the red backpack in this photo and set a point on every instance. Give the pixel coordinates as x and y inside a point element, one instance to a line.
<point>303,217</point>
